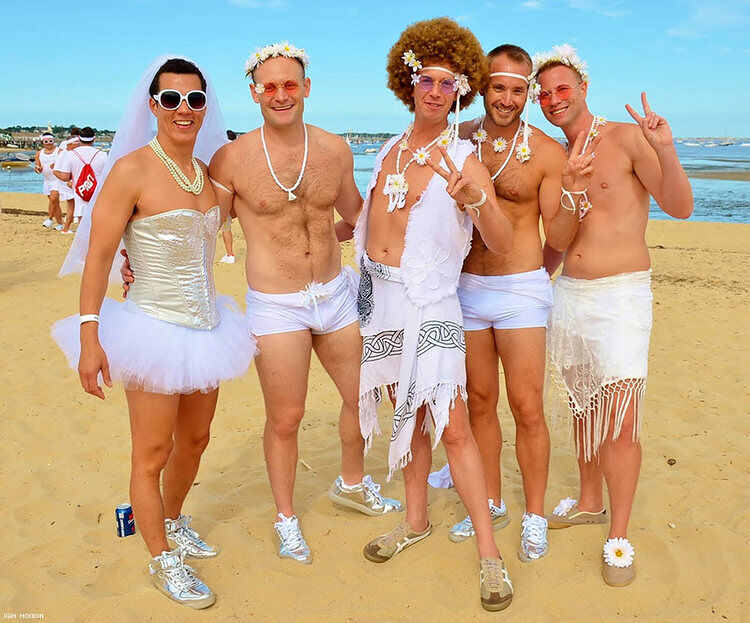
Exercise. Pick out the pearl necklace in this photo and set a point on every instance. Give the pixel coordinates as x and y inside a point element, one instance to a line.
<point>396,187</point>
<point>499,145</point>
<point>290,194</point>
<point>596,123</point>
<point>196,186</point>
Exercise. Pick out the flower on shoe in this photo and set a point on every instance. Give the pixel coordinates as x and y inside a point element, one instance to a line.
<point>499,145</point>
<point>618,552</point>
<point>480,135</point>
<point>564,507</point>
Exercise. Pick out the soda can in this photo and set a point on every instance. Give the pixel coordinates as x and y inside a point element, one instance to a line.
<point>125,521</point>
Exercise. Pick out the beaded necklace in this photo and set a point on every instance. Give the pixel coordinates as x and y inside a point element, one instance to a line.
<point>290,194</point>
<point>196,186</point>
<point>396,187</point>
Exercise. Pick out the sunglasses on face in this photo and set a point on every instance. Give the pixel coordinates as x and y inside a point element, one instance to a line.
<point>563,92</point>
<point>447,86</point>
<point>291,87</point>
<point>169,99</point>
<point>47,142</point>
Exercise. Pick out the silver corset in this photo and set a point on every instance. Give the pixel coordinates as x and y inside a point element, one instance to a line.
<point>171,255</point>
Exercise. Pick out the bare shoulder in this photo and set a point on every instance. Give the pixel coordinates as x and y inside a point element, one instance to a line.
<point>466,129</point>
<point>544,142</point>
<point>628,135</point>
<point>132,164</point>
<point>331,141</point>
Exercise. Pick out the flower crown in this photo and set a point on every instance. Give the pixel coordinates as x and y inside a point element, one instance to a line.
<point>565,54</point>
<point>283,48</point>
<point>410,59</point>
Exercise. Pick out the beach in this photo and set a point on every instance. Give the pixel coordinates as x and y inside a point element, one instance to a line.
<point>64,463</point>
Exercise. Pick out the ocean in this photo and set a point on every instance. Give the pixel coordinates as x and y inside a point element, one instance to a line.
<point>726,201</point>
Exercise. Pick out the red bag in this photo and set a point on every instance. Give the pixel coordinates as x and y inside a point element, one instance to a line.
<point>86,183</point>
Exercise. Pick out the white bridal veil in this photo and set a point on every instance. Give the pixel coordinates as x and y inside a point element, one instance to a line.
<point>137,127</point>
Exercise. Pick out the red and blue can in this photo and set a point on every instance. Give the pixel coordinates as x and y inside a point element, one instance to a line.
<point>125,520</point>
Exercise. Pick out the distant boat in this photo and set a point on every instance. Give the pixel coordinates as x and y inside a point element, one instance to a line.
<point>710,145</point>
<point>692,144</point>
<point>15,161</point>
<point>726,143</point>
<point>371,150</point>
<point>744,144</point>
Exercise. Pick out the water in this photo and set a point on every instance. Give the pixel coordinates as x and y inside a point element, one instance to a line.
<point>715,200</point>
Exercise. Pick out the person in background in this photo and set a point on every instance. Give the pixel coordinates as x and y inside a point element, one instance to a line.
<point>44,163</point>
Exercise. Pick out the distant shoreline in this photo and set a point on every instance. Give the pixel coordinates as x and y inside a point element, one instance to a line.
<point>737,176</point>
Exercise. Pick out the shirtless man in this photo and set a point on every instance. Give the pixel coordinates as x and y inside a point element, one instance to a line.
<point>44,163</point>
<point>284,181</point>
<point>505,299</point>
<point>601,320</point>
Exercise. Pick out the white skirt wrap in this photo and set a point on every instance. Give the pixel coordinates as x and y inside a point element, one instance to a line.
<point>155,356</point>
<point>597,341</point>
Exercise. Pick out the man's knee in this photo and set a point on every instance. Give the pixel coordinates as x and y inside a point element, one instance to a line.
<point>482,400</point>
<point>285,423</point>
<point>152,460</point>
<point>527,408</point>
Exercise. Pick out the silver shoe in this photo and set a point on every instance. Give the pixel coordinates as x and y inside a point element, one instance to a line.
<point>464,529</point>
<point>291,542</point>
<point>171,576</point>
<point>187,539</point>
<point>364,497</point>
<point>533,538</point>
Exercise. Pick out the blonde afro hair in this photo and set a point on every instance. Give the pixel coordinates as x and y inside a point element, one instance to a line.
<point>436,40</point>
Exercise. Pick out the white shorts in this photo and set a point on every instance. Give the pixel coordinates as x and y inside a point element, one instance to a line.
<point>66,192</point>
<point>79,205</point>
<point>49,187</point>
<point>518,301</point>
<point>320,307</point>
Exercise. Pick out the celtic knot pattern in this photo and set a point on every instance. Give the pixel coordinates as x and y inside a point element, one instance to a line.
<point>440,334</point>
<point>382,345</point>
<point>365,301</point>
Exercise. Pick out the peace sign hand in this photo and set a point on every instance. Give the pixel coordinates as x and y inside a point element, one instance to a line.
<point>461,188</point>
<point>654,128</point>
<point>579,167</point>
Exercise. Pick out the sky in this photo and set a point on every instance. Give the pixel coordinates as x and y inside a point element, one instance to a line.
<point>79,67</point>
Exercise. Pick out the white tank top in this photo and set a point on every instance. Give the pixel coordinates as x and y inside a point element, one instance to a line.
<point>47,161</point>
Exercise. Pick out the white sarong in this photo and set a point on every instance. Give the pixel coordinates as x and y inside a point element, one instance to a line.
<point>597,342</point>
<point>418,353</point>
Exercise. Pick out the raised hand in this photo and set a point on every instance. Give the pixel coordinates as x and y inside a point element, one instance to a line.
<point>579,167</point>
<point>460,187</point>
<point>654,128</point>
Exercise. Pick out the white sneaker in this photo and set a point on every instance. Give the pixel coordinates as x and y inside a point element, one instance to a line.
<point>533,538</point>
<point>171,576</point>
<point>187,539</point>
<point>58,227</point>
<point>63,231</point>
<point>227,259</point>
<point>464,529</point>
<point>47,223</point>
<point>291,542</point>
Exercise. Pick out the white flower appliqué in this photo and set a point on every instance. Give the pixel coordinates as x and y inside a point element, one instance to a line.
<point>430,264</point>
<point>523,153</point>
<point>564,507</point>
<point>421,156</point>
<point>499,145</point>
<point>618,552</point>
<point>396,188</point>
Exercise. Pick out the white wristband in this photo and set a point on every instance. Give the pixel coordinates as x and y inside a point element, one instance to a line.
<point>88,318</point>
<point>568,194</point>
<point>475,206</point>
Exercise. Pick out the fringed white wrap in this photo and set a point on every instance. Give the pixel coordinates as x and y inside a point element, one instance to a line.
<point>598,342</point>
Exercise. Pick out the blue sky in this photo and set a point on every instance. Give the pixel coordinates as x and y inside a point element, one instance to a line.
<point>690,56</point>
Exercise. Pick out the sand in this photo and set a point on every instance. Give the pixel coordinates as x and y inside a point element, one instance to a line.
<point>64,464</point>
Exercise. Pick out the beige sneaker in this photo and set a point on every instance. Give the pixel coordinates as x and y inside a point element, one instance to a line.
<point>495,587</point>
<point>387,545</point>
<point>363,497</point>
<point>567,514</point>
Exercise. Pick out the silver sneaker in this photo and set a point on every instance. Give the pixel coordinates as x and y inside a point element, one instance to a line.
<point>187,539</point>
<point>171,576</point>
<point>364,497</point>
<point>291,542</point>
<point>464,529</point>
<point>533,538</point>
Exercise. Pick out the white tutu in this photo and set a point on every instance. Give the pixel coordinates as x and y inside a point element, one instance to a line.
<point>160,357</point>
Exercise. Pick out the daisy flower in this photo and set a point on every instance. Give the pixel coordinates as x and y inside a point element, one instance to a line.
<point>259,88</point>
<point>421,156</point>
<point>523,153</point>
<point>564,507</point>
<point>480,135</point>
<point>585,206</point>
<point>462,84</point>
<point>499,145</point>
<point>618,552</point>
<point>414,79</point>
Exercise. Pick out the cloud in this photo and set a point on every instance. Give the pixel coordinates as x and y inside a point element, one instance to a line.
<point>531,4</point>
<point>259,4</point>
<point>464,17</point>
<point>712,17</point>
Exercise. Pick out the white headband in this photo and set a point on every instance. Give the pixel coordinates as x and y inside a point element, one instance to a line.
<point>510,75</point>
<point>87,140</point>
